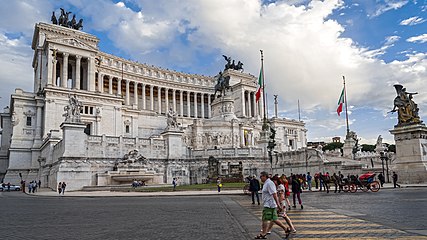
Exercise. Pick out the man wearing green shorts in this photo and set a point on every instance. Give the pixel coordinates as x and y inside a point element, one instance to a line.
<point>271,205</point>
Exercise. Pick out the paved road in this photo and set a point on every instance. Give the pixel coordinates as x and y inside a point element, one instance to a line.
<point>388,214</point>
<point>36,217</point>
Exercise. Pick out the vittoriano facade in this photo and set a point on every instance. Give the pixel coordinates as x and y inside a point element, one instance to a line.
<point>94,119</point>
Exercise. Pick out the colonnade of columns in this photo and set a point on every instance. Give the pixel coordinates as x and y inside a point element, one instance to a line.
<point>157,98</point>
<point>250,107</point>
<point>185,103</point>
<point>67,71</point>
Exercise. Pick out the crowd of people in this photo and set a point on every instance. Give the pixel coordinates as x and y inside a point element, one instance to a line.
<point>276,191</point>
<point>33,185</point>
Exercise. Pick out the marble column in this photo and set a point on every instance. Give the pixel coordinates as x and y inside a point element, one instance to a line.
<point>143,96</point>
<point>243,104</point>
<point>54,61</point>
<point>39,120</point>
<point>78,66</point>
<point>135,94</point>
<point>100,82</point>
<point>119,87</point>
<point>110,84</point>
<point>127,97</point>
<point>255,105</point>
<point>181,104</point>
<point>91,74</point>
<point>159,100</point>
<point>249,104</point>
<point>166,100</point>
<point>202,98</point>
<point>209,106</point>
<point>195,105</point>
<point>64,69</point>
<point>151,98</point>
<point>174,100</point>
<point>188,105</point>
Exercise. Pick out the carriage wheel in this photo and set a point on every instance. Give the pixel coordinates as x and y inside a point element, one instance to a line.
<point>345,188</point>
<point>375,186</point>
<point>353,188</point>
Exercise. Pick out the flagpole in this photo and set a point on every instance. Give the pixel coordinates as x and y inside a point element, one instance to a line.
<point>263,90</point>
<point>299,112</point>
<point>345,101</point>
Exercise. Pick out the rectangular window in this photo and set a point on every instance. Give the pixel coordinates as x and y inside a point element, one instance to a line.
<point>29,121</point>
<point>127,129</point>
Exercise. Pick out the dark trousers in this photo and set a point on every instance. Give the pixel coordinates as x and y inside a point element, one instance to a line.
<point>395,184</point>
<point>255,193</point>
<point>337,187</point>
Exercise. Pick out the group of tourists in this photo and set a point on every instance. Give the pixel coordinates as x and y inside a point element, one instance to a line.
<point>61,187</point>
<point>275,193</point>
<point>33,185</point>
<point>277,189</point>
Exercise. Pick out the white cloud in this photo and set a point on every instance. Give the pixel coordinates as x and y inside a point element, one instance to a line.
<point>412,21</point>
<point>387,6</point>
<point>15,65</point>
<point>421,38</point>
<point>390,40</point>
<point>304,51</point>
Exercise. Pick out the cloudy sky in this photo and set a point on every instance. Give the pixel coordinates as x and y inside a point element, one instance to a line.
<point>308,47</point>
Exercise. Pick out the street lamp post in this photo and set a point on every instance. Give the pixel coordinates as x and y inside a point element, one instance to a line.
<point>386,164</point>
<point>383,157</point>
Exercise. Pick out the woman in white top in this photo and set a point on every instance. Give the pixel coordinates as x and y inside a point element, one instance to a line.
<point>281,194</point>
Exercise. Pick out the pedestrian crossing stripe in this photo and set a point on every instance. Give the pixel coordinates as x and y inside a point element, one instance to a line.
<point>312,223</point>
<point>364,238</point>
<point>343,231</point>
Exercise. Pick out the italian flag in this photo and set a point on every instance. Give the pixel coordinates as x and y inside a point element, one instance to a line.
<point>340,102</point>
<point>259,87</point>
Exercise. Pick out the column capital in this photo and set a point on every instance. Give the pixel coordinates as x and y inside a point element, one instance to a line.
<point>78,57</point>
<point>65,54</point>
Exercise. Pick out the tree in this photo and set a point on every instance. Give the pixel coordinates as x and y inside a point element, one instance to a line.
<point>332,146</point>
<point>391,148</point>
<point>368,148</point>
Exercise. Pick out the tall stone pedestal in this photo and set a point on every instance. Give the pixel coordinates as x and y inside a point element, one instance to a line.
<point>73,135</point>
<point>348,147</point>
<point>223,108</point>
<point>411,153</point>
<point>174,143</point>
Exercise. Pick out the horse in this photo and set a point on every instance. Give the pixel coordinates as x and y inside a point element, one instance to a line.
<point>222,85</point>
<point>53,19</point>
<point>79,25</point>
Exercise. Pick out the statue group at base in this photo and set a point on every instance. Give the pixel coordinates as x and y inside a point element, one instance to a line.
<point>406,108</point>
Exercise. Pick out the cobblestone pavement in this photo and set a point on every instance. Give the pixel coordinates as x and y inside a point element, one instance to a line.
<point>330,220</point>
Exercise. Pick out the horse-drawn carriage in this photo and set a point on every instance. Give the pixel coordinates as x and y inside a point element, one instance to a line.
<point>365,183</point>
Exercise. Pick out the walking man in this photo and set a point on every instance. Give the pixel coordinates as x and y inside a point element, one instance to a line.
<point>271,205</point>
<point>395,180</point>
<point>296,191</point>
<point>309,178</point>
<point>174,183</point>
<point>63,186</point>
<point>381,178</point>
<point>254,188</point>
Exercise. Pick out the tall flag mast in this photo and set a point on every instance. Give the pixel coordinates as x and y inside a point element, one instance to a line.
<point>261,88</point>
<point>343,100</point>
